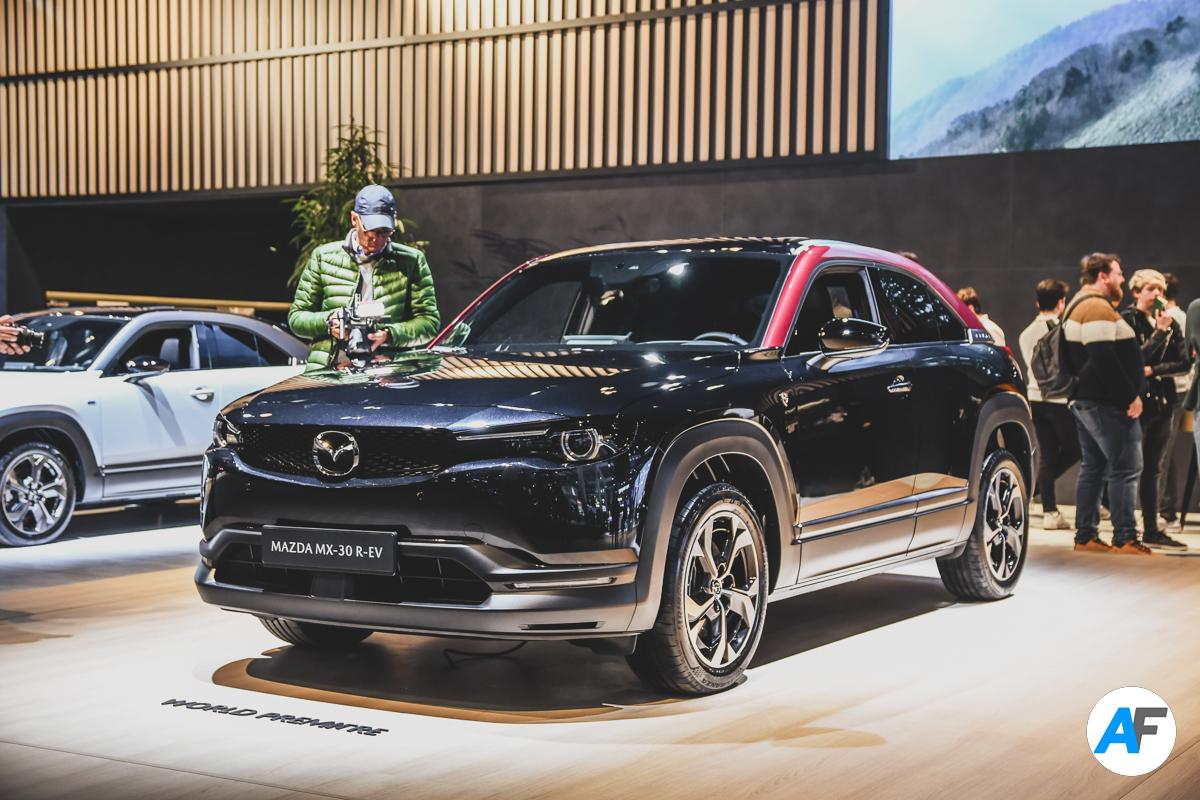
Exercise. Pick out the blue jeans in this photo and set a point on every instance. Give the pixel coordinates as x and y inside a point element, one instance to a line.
<point>1110,444</point>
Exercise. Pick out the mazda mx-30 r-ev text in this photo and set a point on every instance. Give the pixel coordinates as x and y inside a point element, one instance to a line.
<point>636,448</point>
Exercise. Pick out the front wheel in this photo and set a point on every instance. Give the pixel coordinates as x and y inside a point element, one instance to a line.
<point>714,599</point>
<point>994,557</point>
<point>312,635</point>
<point>37,494</point>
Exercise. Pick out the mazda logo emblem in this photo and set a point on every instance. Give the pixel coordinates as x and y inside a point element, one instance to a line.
<point>335,453</point>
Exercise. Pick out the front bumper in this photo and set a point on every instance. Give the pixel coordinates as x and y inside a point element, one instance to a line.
<point>491,550</point>
<point>522,599</point>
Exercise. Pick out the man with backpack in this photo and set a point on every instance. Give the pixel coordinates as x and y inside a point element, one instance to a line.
<point>1106,400</point>
<point>1057,438</point>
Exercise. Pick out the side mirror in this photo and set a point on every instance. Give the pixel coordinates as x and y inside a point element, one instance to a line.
<point>850,338</point>
<point>142,367</point>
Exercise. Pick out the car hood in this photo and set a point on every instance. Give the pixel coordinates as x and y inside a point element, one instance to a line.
<point>475,391</point>
<point>29,389</point>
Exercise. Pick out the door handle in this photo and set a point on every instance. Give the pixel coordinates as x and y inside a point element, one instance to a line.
<point>899,385</point>
<point>202,393</point>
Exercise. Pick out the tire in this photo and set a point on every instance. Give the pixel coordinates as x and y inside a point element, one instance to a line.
<point>314,636</point>
<point>992,562</point>
<point>682,652</point>
<point>37,494</point>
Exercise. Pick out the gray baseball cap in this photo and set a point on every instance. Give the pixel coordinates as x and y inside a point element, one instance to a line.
<point>376,207</point>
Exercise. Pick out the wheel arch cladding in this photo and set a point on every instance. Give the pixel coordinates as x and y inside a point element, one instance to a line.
<point>60,431</point>
<point>751,479</point>
<point>1013,437</point>
<point>751,455</point>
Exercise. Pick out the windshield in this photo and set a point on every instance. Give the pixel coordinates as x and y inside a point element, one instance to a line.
<point>72,342</point>
<point>641,298</point>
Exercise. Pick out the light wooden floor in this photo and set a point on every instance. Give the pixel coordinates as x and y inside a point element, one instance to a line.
<point>884,688</point>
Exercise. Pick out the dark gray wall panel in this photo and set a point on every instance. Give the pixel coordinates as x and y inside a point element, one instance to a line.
<point>999,223</point>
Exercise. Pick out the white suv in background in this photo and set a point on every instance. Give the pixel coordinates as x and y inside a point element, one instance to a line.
<point>118,405</point>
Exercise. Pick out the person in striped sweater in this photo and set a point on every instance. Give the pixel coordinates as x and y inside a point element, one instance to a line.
<point>1107,363</point>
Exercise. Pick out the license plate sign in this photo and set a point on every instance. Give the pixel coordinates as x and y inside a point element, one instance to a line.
<point>329,550</point>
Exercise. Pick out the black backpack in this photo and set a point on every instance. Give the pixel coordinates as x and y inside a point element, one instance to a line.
<point>1051,363</point>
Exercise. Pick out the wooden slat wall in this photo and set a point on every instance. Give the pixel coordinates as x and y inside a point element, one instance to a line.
<point>103,97</point>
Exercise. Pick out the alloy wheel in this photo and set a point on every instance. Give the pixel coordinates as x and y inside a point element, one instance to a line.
<point>33,493</point>
<point>1004,523</point>
<point>721,587</point>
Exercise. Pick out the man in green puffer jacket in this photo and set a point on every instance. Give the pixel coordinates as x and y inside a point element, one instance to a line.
<point>367,265</point>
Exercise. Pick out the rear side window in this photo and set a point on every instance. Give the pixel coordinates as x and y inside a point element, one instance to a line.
<point>272,355</point>
<point>913,312</point>
<point>834,294</point>
<point>233,347</point>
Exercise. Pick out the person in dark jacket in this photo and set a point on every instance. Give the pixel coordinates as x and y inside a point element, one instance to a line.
<point>1174,472</point>
<point>365,268</point>
<point>1164,356</point>
<point>1104,356</point>
<point>1191,403</point>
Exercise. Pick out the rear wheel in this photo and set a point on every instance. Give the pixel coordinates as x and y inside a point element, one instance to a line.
<point>37,494</point>
<point>312,635</point>
<point>714,600</point>
<point>994,557</point>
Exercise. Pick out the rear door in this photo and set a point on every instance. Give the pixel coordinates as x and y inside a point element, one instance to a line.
<point>932,339</point>
<point>849,435</point>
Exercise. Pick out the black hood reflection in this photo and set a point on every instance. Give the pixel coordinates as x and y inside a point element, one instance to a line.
<point>476,389</point>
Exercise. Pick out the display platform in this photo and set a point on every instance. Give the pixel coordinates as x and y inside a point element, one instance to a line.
<point>881,688</point>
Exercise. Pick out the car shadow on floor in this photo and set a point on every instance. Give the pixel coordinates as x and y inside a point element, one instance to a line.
<point>123,519</point>
<point>13,629</point>
<point>813,620</point>
<point>552,681</point>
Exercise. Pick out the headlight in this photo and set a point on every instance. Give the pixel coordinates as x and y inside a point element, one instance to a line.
<point>583,444</point>
<point>225,434</point>
<point>570,445</point>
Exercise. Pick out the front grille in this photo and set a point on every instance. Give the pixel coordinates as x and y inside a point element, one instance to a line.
<point>419,579</point>
<point>383,452</point>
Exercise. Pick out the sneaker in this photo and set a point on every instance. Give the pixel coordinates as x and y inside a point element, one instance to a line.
<point>1093,546</point>
<point>1162,541</point>
<point>1054,521</point>
<point>1134,548</point>
<point>1160,521</point>
<point>1105,514</point>
<point>1172,528</point>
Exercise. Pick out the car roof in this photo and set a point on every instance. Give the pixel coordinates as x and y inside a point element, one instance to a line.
<point>782,245</point>
<point>154,314</point>
<point>116,312</point>
<point>129,312</point>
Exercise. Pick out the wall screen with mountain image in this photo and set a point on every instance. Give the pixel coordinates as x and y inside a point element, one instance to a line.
<point>994,76</point>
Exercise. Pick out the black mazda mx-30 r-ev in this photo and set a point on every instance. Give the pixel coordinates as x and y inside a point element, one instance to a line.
<point>633,447</point>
